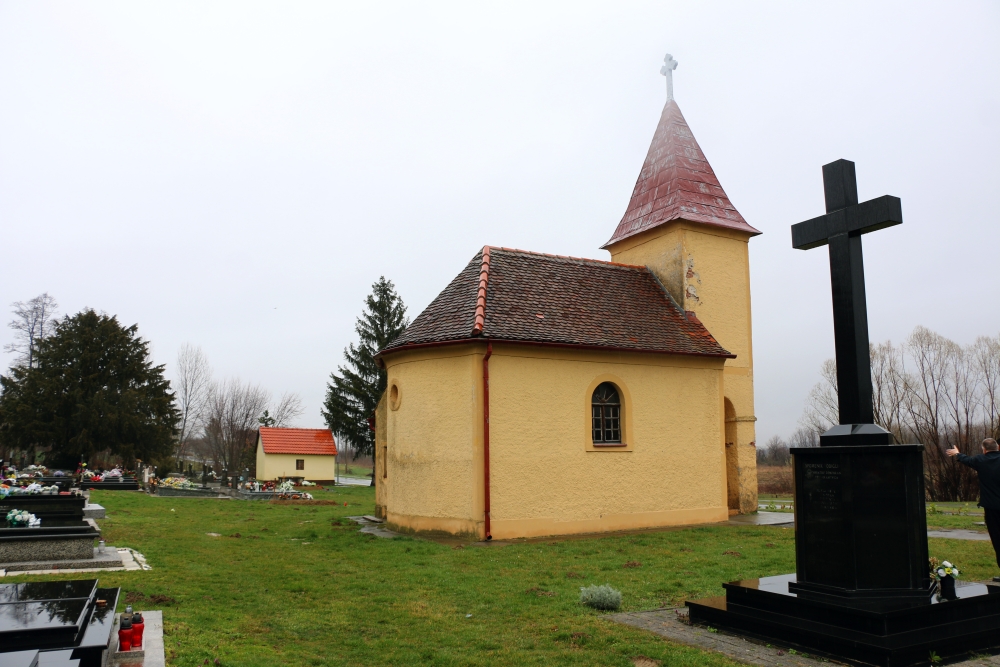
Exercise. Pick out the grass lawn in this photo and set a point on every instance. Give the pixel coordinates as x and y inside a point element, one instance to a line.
<point>301,586</point>
<point>955,515</point>
<point>355,470</point>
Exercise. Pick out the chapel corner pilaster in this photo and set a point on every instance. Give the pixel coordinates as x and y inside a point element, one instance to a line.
<point>747,464</point>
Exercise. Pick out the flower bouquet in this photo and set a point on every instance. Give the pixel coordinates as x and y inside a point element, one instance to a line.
<point>34,489</point>
<point>22,519</point>
<point>178,483</point>
<point>945,573</point>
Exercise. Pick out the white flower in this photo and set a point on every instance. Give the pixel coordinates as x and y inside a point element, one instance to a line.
<point>940,572</point>
<point>946,564</point>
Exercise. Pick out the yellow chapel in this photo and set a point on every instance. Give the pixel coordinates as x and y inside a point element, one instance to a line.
<point>546,395</point>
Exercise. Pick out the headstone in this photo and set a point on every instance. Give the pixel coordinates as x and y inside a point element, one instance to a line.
<point>56,616</point>
<point>862,589</point>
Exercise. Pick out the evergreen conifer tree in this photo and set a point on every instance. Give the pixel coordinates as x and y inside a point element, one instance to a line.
<point>354,390</point>
<point>92,389</point>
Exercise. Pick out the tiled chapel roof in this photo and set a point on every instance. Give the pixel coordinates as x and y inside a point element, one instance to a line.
<point>515,295</point>
<point>677,182</point>
<point>297,441</point>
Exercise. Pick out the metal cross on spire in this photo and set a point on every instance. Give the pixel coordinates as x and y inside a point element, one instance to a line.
<point>669,65</point>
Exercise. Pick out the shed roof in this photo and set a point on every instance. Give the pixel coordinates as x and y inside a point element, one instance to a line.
<point>677,182</point>
<point>317,441</point>
<point>518,296</point>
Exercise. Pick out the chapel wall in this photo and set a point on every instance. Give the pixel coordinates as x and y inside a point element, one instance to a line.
<point>707,270</point>
<point>434,440</point>
<point>381,447</point>
<point>546,478</point>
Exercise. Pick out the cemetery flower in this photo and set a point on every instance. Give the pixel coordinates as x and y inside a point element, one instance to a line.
<point>941,569</point>
<point>947,570</point>
<point>22,518</point>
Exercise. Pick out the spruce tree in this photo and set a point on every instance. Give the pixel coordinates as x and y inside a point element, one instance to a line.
<point>355,389</point>
<point>92,389</point>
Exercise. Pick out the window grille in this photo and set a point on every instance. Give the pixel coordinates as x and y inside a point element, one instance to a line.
<point>300,464</point>
<point>606,411</point>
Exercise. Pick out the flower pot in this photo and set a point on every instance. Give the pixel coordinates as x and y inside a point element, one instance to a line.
<point>946,588</point>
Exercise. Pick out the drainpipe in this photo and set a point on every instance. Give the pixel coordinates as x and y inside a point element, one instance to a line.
<point>486,437</point>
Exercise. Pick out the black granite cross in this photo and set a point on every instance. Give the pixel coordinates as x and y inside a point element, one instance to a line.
<point>841,228</point>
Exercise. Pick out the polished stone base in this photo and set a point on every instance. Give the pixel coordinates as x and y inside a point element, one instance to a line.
<point>110,558</point>
<point>53,540</point>
<point>904,635</point>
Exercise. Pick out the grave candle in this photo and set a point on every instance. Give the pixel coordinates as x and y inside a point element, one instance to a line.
<point>138,625</point>
<point>125,633</point>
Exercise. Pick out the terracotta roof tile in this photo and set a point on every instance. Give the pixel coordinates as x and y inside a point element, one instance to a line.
<point>677,182</point>
<point>298,441</point>
<point>537,298</point>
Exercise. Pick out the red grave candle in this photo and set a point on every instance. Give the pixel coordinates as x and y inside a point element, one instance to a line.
<point>125,633</point>
<point>138,625</point>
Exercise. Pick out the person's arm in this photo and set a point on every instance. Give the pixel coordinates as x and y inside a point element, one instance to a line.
<point>970,461</point>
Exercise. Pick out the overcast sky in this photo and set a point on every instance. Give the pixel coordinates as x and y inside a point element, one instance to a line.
<point>237,175</point>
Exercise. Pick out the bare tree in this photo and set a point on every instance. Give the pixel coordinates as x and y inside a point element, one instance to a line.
<point>288,409</point>
<point>193,385</point>
<point>889,388</point>
<point>33,321</point>
<point>774,453</point>
<point>822,408</point>
<point>985,356</point>
<point>804,437</point>
<point>231,422</point>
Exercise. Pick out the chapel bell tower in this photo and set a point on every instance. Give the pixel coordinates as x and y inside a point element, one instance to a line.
<point>682,226</point>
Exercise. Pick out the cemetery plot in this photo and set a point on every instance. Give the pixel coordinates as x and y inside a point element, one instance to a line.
<point>56,616</point>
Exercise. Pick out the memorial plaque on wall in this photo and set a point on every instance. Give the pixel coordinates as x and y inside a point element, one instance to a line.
<point>821,524</point>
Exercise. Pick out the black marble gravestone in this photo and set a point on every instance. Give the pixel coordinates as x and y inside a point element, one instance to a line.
<point>862,589</point>
<point>69,622</point>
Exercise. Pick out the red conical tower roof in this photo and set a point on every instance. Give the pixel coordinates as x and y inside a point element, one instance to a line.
<point>677,182</point>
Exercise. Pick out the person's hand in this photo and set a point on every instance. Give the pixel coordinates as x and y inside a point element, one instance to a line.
<point>951,452</point>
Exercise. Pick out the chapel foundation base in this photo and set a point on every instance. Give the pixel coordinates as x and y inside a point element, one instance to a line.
<point>512,529</point>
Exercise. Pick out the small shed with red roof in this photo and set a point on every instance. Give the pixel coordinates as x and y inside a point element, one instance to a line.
<point>296,453</point>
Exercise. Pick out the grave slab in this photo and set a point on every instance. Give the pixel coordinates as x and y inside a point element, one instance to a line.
<point>959,534</point>
<point>67,622</point>
<point>111,558</point>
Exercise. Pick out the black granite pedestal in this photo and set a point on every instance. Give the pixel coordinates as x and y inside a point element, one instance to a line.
<point>904,635</point>
<point>861,525</point>
<point>862,591</point>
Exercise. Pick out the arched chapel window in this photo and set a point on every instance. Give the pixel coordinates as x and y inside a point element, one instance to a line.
<point>607,414</point>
